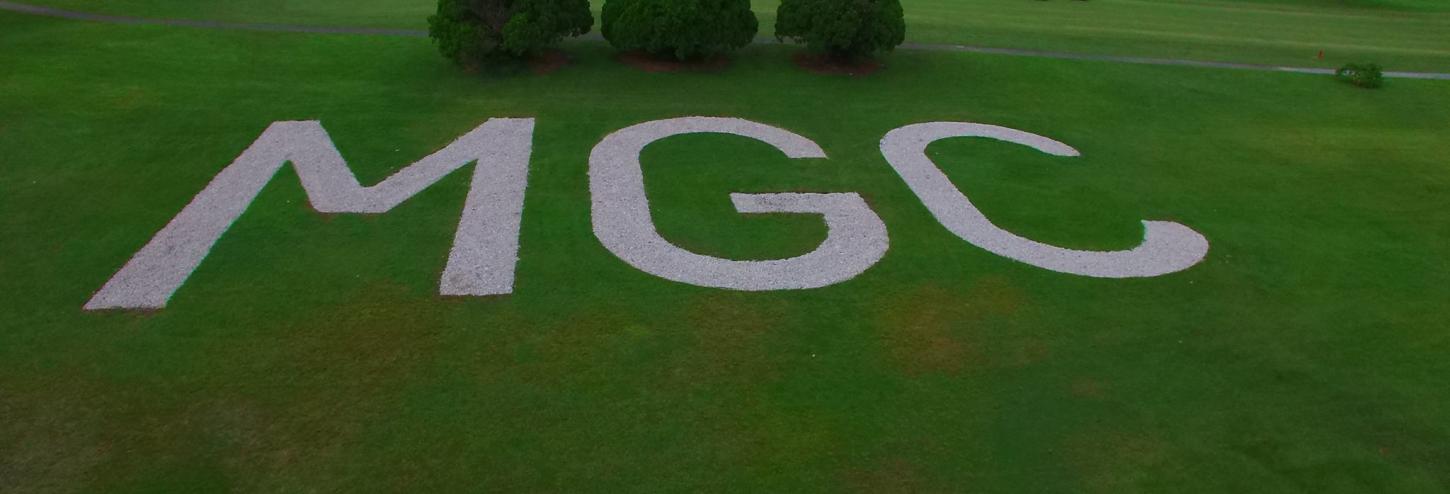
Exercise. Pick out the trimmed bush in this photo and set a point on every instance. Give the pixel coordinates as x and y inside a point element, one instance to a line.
<point>843,29</point>
<point>1363,75</point>
<point>473,32</point>
<point>683,29</point>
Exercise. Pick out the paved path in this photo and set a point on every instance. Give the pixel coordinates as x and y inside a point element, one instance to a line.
<point>293,28</point>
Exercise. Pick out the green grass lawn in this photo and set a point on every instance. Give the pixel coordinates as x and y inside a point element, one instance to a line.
<point>310,352</point>
<point>1399,34</point>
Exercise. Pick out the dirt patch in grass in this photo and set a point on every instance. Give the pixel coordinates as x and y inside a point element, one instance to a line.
<point>995,295</point>
<point>941,330</point>
<point>822,64</point>
<point>923,332</point>
<point>654,63</point>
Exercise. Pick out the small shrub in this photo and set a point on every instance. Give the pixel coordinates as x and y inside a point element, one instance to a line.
<point>473,32</point>
<point>1363,75</point>
<point>683,29</point>
<point>844,29</point>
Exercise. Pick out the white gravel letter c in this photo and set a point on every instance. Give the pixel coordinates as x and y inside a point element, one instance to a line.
<point>1167,247</point>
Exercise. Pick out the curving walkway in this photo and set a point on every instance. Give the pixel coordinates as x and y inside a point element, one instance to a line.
<point>294,28</point>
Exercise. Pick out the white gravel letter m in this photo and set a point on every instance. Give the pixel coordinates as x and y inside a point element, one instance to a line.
<point>485,247</point>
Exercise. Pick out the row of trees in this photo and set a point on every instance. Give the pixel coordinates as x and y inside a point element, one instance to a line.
<point>477,32</point>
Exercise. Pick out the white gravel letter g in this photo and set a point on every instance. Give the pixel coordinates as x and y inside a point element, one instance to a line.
<point>855,240</point>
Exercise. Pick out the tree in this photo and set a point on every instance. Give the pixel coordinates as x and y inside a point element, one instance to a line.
<point>471,32</point>
<point>843,29</point>
<point>684,29</point>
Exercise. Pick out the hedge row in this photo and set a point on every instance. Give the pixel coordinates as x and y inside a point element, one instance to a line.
<point>478,32</point>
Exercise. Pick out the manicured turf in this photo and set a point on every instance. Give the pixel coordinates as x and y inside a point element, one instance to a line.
<point>311,352</point>
<point>1399,34</point>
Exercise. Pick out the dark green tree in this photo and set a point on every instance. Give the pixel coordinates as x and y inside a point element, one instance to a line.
<point>684,29</point>
<point>843,29</point>
<point>472,32</point>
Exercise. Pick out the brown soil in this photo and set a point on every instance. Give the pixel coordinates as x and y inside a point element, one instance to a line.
<point>651,63</point>
<point>821,64</point>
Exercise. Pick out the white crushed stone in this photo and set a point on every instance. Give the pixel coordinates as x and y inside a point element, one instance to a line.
<point>1167,247</point>
<point>856,238</point>
<point>485,247</point>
